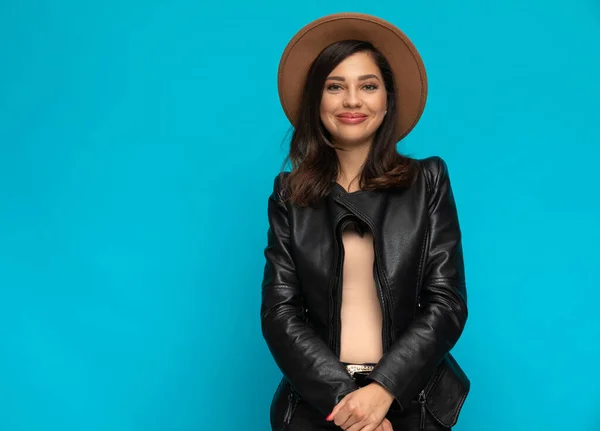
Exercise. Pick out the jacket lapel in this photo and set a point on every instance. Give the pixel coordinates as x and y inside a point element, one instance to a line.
<point>368,205</point>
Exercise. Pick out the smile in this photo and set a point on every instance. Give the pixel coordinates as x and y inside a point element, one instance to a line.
<point>351,120</point>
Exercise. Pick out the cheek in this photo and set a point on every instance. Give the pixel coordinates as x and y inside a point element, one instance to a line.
<point>382,102</point>
<point>379,108</point>
<point>326,105</point>
<point>326,111</point>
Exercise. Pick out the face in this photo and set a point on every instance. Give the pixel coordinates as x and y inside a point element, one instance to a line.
<point>353,103</point>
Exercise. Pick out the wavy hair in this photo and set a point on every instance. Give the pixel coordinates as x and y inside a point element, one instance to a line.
<point>312,154</point>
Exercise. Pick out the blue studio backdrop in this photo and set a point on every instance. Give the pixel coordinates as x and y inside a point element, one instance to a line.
<point>138,145</point>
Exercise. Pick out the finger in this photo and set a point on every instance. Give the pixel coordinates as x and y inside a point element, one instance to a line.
<point>350,424</point>
<point>354,423</point>
<point>365,425</point>
<point>357,426</point>
<point>370,427</point>
<point>343,416</point>
<point>336,409</point>
<point>387,425</point>
<point>355,416</point>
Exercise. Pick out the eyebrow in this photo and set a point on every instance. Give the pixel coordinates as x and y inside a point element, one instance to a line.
<point>360,78</point>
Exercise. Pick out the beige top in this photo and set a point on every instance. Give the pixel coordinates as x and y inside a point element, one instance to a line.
<point>361,339</point>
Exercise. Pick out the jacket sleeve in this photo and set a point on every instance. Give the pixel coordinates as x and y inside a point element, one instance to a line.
<point>311,367</point>
<point>413,357</point>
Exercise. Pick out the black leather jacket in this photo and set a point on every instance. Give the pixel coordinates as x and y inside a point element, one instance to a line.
<point>420,279</point>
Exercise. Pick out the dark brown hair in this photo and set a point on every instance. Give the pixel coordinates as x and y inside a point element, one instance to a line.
<point>313,157</point>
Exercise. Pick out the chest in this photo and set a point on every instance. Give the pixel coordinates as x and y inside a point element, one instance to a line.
<point>395,232</point>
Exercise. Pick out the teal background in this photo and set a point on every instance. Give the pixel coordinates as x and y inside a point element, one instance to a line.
<point>138,145</point>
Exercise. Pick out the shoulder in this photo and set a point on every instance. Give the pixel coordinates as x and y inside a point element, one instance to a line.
<point>433,165</point>
<point>280,185</point>
<point>434,169</point>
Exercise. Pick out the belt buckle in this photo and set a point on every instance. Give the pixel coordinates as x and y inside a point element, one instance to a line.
<point>358,368</point>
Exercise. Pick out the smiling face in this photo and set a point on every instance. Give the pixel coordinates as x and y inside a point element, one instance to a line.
<point>353,103</point>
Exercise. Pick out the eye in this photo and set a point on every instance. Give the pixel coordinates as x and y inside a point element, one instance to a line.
<point>333,87</point>
<point>373,87</point>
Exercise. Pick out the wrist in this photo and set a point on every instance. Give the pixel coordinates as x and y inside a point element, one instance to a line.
<point>386,393</point>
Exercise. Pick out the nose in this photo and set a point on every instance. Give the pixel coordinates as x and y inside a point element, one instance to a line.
<point>352,100</point>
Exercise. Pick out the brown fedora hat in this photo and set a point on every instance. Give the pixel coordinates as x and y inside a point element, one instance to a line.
<point>406,63</point>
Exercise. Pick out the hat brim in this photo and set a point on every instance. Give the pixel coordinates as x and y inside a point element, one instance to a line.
<point>406,63</point>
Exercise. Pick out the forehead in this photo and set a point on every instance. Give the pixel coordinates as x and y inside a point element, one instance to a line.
<point>357,64</point>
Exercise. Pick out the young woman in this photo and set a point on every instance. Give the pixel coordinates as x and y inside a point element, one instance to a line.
<point>363,294</point>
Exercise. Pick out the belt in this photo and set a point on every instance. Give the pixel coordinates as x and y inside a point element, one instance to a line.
<point>358,368</point>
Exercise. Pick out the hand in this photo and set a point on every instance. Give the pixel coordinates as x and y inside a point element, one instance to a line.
<point>363,409</point>
<point>385,425</point>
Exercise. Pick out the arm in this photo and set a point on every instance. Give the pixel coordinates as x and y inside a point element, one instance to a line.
<point>405,369</point>
<point>305,360</point>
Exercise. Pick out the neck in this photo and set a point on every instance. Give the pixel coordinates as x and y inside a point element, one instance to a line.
<point>351,161</point>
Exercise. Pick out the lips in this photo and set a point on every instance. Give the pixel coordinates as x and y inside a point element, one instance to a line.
<point>351,118</point>
<point>351,115</point>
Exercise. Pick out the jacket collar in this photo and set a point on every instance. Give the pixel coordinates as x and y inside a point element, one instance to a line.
<point>368,205</point>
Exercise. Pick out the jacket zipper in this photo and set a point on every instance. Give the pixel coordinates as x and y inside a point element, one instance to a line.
<point>421,269</point>
<point>287,418</point>
<point>338,300</point>
<point>334,293</point>
<point>422,399</point>
<point>423,394</point>
<point>337,320</point>
<point>423,251</point>
<point>385,331</point>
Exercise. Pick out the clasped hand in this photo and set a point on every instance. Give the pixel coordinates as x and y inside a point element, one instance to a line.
<point>364,409</point>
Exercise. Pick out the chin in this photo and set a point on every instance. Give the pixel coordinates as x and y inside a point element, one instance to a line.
<point>352,138</point>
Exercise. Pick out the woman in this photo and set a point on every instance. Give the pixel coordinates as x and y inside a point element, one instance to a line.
<point>364,288</point>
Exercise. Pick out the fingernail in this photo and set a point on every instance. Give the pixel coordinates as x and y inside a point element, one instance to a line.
<point>328,418</point>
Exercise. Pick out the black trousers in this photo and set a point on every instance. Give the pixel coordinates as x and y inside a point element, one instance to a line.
<point>306,418</point>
